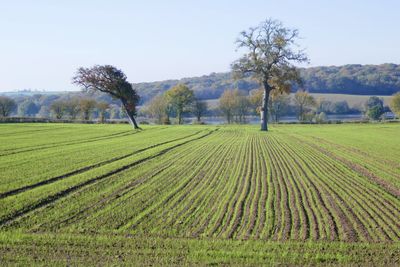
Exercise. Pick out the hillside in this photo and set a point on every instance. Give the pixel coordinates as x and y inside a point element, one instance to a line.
<point>352,79</point>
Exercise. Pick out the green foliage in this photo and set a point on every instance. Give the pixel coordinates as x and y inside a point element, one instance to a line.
<point>374,108</point>
<point>180,97</point>
<point>375,112</point>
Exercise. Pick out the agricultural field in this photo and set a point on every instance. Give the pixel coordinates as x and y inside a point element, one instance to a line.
<point>194,195</point>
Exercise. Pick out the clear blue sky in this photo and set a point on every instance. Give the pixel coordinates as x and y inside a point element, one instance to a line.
<point>43,42</point>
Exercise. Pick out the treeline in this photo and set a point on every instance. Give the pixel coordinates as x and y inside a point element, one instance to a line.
<point>352,79</point>
<point>180,102</point>
<point>235,105</point>
<point>71,106</point>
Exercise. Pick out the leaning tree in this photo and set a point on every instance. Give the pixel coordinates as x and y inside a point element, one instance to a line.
<point>269,59</point>
<point>112,81</point>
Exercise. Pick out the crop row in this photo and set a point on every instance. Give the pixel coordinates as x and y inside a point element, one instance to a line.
<point>234,182</point>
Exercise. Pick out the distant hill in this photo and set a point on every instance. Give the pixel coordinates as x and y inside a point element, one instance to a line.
<point>352,79</point>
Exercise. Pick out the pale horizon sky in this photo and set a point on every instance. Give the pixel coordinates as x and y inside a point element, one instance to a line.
<point>44,42</point>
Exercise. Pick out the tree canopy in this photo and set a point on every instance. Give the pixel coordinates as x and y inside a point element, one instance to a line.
<point>269,59</point>
<point>395,104</point>
<point>180,97</point>
<point>108,79</point>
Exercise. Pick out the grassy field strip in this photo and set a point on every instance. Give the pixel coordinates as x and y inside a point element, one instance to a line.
<point>379,141</point>
<point>221,172</point>
<point>355,189</point>
<point>78,171</point>
<point>64,187</point>
<point>386,169</point>
<point>49,249</point>
<point>85,199</point>
<point>16,129</point>
<point>17,170</point>
<point>207,195</point>
<point>225,211</point>
<point>354,229</point>
<point>300,219</point>
<point>157,184</point>
<point>25,149</point>
<point>362,170</point>
<point>178,213</point>
<point>91,200</point>
<point>75,133</point>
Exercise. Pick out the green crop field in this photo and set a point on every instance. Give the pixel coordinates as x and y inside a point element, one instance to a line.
<point>193,195</point>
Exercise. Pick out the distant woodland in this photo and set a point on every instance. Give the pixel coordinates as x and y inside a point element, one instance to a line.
<point>352,79</point>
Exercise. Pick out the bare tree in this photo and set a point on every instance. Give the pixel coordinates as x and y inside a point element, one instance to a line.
<point>102,108</point>
<point>87,106</point>
<point>277,105</point>
<point>158,108</point>
<point>7,105</point>
<point>58,108</point>
<point>72,108</point>
<point>112,81</point>
<point>227,104</point>
<point>242,105</point>
<point>269,59</point>
<point>303,101</point>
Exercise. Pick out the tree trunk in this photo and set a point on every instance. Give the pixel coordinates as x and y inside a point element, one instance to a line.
<point>264,109</point>
<point>131,116</point>
<point>179,117</point>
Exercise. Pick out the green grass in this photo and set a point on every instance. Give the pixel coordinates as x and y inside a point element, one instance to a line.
<point>187,195</point>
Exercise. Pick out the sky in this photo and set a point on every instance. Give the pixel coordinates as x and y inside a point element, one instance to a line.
<point>42,43</point>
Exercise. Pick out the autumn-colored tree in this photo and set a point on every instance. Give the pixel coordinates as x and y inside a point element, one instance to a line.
<point>269,59</point>
<point>395,104</point>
